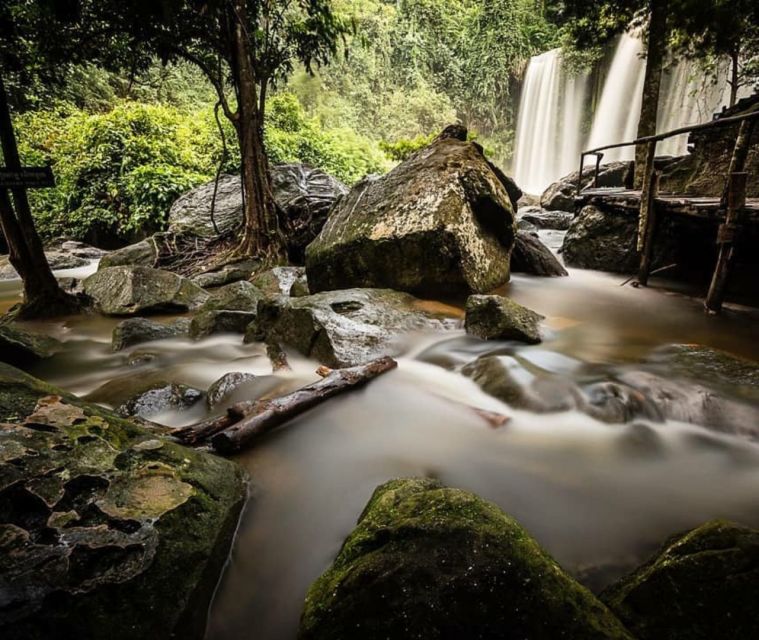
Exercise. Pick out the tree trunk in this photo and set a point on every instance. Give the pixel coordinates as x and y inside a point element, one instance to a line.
<point>42,295</point>
<point>261,233</point>
<point>657,45</point>
<point>734,80</point>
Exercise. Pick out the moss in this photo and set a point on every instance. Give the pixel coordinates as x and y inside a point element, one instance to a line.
<point>703,584</point>
<point>426,561</point>
<point>109,531</point>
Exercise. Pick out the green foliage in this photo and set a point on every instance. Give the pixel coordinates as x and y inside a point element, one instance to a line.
<point>402,149</point>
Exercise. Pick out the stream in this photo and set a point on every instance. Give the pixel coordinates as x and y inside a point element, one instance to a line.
<point>597,498</point>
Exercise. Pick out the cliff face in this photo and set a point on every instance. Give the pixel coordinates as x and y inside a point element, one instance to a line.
<point>703,172</point>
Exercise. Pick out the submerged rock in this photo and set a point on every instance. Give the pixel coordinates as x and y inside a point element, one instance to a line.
<point>230,309</point>
<point>531,256</point>
<point>426,561</point>
<point>343,328</point>
<point>702,584</point>
<point>159,397</point>
<point>439,223</point>
<point>107,531</point>
<point>126,291</point>
<point>226,386</point>
<point>20,346</point>
<point>138,330</point>
<point>499,318</point>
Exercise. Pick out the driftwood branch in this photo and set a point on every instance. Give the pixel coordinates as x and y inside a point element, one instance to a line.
<point>245,422</point>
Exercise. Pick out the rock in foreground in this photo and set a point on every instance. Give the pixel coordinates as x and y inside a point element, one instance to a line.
<point>701,585</point>
<point>439,223</point>
<point>107,530</point>
<point>128,291</point>
<point>499,318</point>
<point>426,561</point>
<point>343,328</point>
<point>20,346</point>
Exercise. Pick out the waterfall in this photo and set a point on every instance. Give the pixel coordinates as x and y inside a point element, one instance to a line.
<point>548,139</point>
<point>616,118</point>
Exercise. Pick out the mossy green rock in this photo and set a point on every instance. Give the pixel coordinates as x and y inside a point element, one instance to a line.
<point>143,253</point>
<point>499,318</point>
<point>439,223</point>
<point>426,561</point>
<point>129,291</point>
<point>703,585</point>
<point>106,530</point>
<point>19,345</point>
<point>230,309</point>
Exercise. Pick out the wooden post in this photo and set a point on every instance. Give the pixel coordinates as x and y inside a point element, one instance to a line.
<point>736,201</point>
<point>647,215</point>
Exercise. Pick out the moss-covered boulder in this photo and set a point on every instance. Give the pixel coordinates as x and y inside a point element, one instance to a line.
<point>138,330</point>
<point>441,222</point>
<point>128,291</point>
<point>426,561</point>
<point>106,530</point>
<point>703,585</point>
<point>343,328</point>
<point>19,346</point>
<point>499,318</point>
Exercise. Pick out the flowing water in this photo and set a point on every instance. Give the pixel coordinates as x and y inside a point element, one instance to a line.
<point>596,495</point>
<point>555,104</point>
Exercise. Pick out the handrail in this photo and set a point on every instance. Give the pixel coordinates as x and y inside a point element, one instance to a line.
<point>654,139</point>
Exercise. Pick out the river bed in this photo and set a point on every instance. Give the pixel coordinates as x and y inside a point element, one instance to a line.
<point>597,496</point>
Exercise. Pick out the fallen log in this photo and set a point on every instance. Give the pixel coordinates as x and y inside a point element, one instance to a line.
<point>261,417</point>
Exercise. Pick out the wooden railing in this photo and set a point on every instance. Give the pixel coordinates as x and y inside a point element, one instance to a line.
<point>732,199</point>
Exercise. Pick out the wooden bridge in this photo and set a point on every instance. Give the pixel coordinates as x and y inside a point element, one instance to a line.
<point>729,211</point>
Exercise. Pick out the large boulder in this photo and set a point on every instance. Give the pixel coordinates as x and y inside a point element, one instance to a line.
<point>560,195</point>
<point>701,585</point>
<point>498,318</point>
<point>128,291</point>
<point>20,346</point>
<point>441,222</point>
<point>530,255</point>
<point>303,194</point>
<point>107,531</point>
<point>343,328</point>
<point>426,561</point>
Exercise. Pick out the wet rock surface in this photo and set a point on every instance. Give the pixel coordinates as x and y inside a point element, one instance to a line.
<point>56,259</point>
<point>426,561</point>
<point>701,584</point>
<point>19,345</point>
<point>498,318</point>
<point>138,330</point>
<point>441,222</point>
<point>143,254</point>
<point>531,256</point>
<point>546,219</point>
<point>226,386</point>
<point>279,280</point>
<point>106,530</point>
<point>343,328</point>
<point>127,291</point>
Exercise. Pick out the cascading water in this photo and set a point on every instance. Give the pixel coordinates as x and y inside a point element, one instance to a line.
<point>554,105</point>
<point>616,119</point>
<point>550,121</point>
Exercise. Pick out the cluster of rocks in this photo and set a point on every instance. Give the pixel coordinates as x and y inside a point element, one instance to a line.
<point>63,254</point>
<point>428,561</point>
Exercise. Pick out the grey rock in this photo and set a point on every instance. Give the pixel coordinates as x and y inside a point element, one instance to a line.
<point>127,291</point>
<point>497,318</point>
<point>225,386</point>
<point>137,330</point>
<point>143,253</point>
<point>158,399</point>
<point>234,272</point>
<point>229,309</point>
<point>545,219</point>
<point>18,345</point>
<point>343,328</point>
<point>560,195</point>
<point>279,280</point>
<point>531,256</point>
<point>439,223</point>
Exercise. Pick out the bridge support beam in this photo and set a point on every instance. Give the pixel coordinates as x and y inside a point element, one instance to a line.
<point>647,215</point>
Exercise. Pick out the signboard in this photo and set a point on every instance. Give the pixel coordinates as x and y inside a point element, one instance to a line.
<point>29,177</point>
